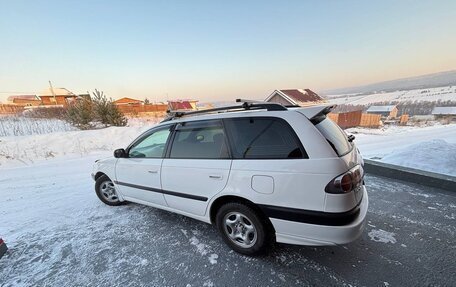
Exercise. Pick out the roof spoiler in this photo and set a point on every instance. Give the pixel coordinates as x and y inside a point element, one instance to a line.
<point>321,115</point>
<point>316,112</point>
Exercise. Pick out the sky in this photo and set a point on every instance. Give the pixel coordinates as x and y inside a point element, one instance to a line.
<point>219,50</point>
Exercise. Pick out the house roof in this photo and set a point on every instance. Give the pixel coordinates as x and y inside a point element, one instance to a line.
<point>381,109</point>
<point>126,100</point>
<point>298,96</point>
<point>23,97</point>
<point>57,91</point>
<point>444,111</point>
<point>179,105</point>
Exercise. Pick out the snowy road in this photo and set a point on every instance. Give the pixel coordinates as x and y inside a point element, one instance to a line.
<point>60,234</point>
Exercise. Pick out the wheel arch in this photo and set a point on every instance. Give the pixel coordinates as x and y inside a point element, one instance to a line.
<point>99,174</point>
<point>233,198</point>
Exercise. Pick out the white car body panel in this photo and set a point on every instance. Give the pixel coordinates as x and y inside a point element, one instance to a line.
<point>198,177</point>
<point>290,183</point>
<point>142,172</point>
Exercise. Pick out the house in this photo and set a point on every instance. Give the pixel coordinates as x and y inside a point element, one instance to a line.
<point>132,106</point>
<point>57,96</point>
<point>444,113</point>
<point>182,105</point>
<point>128,101</point>
<point>24,100</point>
<point>384,111</point>
<point>295,97</point>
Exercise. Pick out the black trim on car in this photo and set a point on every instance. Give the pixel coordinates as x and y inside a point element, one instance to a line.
<point>168,192</point>
<point>311,216</point>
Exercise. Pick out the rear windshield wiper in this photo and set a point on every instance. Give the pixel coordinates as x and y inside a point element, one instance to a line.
<point>351,138</point>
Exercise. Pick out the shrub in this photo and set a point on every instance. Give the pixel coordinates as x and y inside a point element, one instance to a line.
<point>106,111</point>
<point>80,113</point>
<point>46,113</point>
<point>85,112</point>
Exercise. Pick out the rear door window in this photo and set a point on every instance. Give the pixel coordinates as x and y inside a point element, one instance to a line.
<point>335,136</point>
<point>200,140</point>
<point>263,138</point>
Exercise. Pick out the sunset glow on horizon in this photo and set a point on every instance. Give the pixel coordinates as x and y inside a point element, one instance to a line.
<point>214,51</point>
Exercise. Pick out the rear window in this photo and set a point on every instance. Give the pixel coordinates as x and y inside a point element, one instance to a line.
<point>263,138</point>
<point>335,136</point>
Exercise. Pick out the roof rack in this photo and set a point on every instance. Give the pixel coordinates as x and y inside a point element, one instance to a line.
<point>247,105</point>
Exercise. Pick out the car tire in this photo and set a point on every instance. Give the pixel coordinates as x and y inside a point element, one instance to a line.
<point>244,229</point>
<point>106,191</point>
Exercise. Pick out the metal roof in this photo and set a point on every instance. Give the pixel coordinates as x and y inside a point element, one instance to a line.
<point>381,109</point>
<point>444,111</point>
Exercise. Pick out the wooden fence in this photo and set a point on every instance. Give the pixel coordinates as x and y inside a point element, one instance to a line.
<point>139,108</point>
<point>404,119</point>
<point>10,109</point>
<point>355,119</point>
<point>349,119</point>
<point>334,117</point>
<point>370,120</point>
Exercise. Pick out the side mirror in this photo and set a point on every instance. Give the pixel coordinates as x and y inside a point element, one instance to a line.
<point>119,153</point>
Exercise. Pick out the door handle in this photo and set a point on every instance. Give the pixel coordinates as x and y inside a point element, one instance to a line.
<point>152,171</point>
<point>215,176</point>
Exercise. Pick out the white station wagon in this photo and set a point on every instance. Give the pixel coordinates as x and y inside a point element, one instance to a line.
<point>260,172</point>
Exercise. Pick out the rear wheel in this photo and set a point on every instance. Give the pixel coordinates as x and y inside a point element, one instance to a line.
<point>106,191</point>
<point>243,228</point>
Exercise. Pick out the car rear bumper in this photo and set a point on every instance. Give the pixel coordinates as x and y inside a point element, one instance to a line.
<point>299,233</point>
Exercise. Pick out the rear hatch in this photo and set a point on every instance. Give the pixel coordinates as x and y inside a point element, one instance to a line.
<point>342,144</point>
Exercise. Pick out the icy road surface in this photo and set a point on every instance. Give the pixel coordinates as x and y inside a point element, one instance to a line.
<point>60,234</point>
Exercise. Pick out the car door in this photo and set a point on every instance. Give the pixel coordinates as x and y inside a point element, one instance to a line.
<point>197,165</point>
<point>138,175</point>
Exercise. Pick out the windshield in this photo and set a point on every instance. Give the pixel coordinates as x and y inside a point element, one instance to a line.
<point>335,136</point>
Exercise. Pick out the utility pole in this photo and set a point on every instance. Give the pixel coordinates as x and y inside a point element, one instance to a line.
<point>52,91</point>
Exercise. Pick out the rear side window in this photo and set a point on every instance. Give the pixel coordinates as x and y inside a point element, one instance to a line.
<point>263,138</point>
<point>199,140</point>
<point>335,136</point>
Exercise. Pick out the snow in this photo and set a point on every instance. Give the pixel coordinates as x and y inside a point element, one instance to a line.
<point>46,193</point>
<point>19,126</point>
<point>380,235</point>
<point>25,150</point>
<point>410,145</point>
<point>213,258</point>
<point>434,155</point>
<point>431,94</point>
<point>59,233</point>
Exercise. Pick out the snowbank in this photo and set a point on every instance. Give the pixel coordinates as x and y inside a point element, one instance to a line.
<point>446,93</point>
<point>24,150</point>
<point>435,155</point>
<point>21,126</point>
<point>378,143</point>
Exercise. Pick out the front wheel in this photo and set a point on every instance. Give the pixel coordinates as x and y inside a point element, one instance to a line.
<point>106,191</point>
<point>243,228</point>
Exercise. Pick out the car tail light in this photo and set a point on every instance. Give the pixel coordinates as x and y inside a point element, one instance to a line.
<point>346,182</point>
